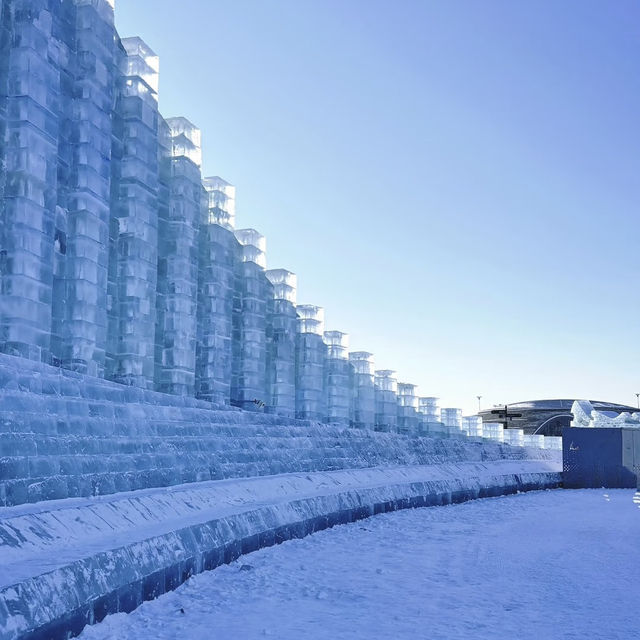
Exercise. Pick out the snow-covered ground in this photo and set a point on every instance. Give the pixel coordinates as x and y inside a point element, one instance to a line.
<point>544,565</point>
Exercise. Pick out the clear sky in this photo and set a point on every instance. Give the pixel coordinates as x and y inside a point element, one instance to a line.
<point>457,183</point>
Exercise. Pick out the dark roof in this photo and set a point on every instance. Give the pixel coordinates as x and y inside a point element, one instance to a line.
<point>564,404</point>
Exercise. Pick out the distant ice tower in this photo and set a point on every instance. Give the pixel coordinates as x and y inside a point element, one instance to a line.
<point>249,355</point>
<point>407,408</point>
<point>220,258</point>
<point>310,357</point>
<point>134,221</point>
<point>281,343</point>
<point>178,229</point>
<point>338,378</point>
<point>363,415</point>
<point>386,397</point>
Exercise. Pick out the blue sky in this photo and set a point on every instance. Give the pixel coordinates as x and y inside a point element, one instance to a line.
<point>457,183</point>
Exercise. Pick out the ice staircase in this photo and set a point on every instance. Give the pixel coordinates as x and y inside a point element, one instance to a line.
<point>112,495</point>
<point>65,435</point>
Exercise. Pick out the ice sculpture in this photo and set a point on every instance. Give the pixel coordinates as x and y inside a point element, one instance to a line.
<point>249,347</point>
<point>134,220</point>
<point>337,378</point>
<point>220,258</point>
<point>311,353</point>
<point>584,415</point>
<point>407,408</point>
<point>281,343</point>
<point>386,397</point>
<point>363,413</point>
<point>178,229</point>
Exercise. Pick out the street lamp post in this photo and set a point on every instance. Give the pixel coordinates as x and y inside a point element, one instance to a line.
<point>480,398</point>
<point>638,399</point>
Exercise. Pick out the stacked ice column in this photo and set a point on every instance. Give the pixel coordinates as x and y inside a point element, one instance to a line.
<point>337,378</point>
<point>5,44</point>
<point>178,227</point>
<point>472,427</point>
<point>134,221</point>
<point>31,65</point>
<point>220,258</point>
<point>386,396</point>
<point>249,352</point>
<point>281,343</point>
<point>82,323</point>
<point>310,358</point>
<point>407,408</point>
<point>452,419</point>
<point>429,415</point>
<point>363,414</point>
<point>493,431</point>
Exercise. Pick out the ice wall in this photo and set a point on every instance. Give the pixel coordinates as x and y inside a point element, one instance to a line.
<point>363,414</point>
<point>337,378</point>
<point>249,350</point>
<point>311,352</point>
<point>220,257</point>
<point>407,408</point>
<point>281,343</point>
<point>134,220</point>
<point>178,229</point>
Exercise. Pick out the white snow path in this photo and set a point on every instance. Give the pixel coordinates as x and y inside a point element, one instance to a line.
<point>544,565</point>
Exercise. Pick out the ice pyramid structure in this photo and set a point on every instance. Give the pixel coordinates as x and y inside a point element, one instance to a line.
<point>386,400</point>
<point>363,415</point>
<point>337,378</point>
<point>281,343</point>
<point>311,353</point>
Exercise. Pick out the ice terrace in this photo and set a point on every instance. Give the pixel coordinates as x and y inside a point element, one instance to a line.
<point>112,495</point>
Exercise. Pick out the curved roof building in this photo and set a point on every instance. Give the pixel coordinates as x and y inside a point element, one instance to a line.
<point>545,417</point>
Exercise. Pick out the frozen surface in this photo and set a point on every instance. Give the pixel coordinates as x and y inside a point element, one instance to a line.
<point>545,565</point>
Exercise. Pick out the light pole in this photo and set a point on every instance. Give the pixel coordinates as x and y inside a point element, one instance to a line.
<point>480,398</point>
<point>638,399</point>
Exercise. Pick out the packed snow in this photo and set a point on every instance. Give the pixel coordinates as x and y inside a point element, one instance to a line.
<point>550,564</point>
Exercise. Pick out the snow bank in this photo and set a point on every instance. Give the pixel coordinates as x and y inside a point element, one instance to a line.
<point>70,563</point>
